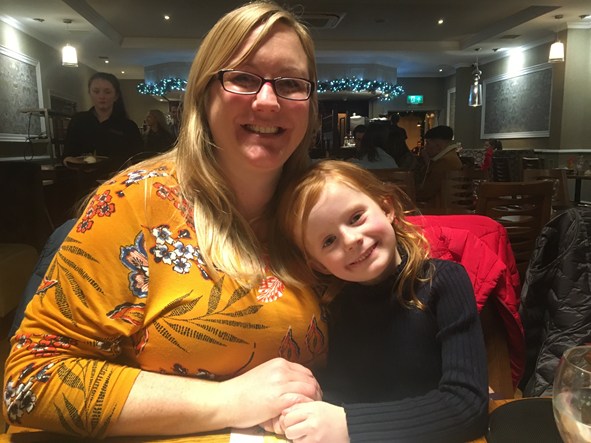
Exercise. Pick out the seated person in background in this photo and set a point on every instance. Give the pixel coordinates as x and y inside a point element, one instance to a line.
<point>358,133</point>
<point>437,157</point>
<point>103,130</point>
<point>490,146</point>
<point>370,155</point>
<point>158,136</point>
<point>407,360</point>
<point>396,144</point>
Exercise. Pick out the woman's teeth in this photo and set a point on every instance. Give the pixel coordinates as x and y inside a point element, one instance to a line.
<point>263,129</point>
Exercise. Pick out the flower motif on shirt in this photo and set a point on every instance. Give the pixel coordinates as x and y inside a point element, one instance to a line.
<point>132,313</point>
<point>314,338</point>
<point>289,349</point>
<point>270,289</point>
<point>134,257</point>
<point>141,174</point>
<point>166,192</point>
<point>19,396</point>
<point>172,251</point>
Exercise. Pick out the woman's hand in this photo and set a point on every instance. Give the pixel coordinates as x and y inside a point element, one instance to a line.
<point>262,393</point>
<point>315,422</point>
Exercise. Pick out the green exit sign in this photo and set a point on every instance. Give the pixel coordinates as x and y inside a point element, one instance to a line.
<point>414,99</point>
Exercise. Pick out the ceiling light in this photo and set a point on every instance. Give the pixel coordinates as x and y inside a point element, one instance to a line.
<point>166,17</point>
<point>69,55</point>
<point>475,97</point>
<point>585,17</point>
<point>440,21</point>
<point>557,48</point>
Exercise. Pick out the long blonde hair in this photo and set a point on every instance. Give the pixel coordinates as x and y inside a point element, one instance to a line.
<point>225,238</point>
<point>298,200</point>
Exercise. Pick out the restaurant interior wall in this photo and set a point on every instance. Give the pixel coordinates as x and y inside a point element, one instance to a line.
<point>56,79</point>
<point>576,130</point>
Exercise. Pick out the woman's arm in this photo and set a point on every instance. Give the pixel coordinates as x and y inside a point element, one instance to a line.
<point>160,404</point>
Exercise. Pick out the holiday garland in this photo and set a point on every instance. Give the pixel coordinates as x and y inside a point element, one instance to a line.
<point>384,90</point>
<point>161,87</point>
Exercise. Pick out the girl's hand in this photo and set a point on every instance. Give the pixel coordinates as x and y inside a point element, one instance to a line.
<point>262,393</point>
<point>315,422</point>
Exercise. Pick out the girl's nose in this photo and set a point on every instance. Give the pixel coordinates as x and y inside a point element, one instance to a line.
<point>350,238</point>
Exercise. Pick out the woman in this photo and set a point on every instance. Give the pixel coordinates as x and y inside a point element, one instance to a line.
<point>103,130</point>
<point>158,315</point>
<point>370,154</point>
<point>158,136</point>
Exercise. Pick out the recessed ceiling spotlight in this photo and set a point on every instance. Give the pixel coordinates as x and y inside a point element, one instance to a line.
<point>122,72</point>
<point>107,61</point>
<point>440,69</point>
<point>166,17</point>
<point>440,21</point>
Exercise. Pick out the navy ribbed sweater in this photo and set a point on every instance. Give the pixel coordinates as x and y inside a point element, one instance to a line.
<point>404,374</point>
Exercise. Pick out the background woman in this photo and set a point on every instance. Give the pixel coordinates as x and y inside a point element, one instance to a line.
<point>158,136</point>
<point>103,130</point>
<point>370,154</point>
<point>159,314</point>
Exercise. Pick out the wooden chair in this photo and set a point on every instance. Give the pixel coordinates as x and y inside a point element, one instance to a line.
<point>502,170</point>
<point>532,163</point>
<point>560,195</point>
<point>523,208</point>
<point>458,190</point>
<point>402,178</point>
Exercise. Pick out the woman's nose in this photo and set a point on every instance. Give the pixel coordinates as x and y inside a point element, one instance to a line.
<point>266,99</point>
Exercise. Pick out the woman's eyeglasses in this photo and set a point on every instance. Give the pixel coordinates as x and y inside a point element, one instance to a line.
<point>246,83</point>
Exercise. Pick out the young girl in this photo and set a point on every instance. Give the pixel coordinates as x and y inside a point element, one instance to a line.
<point>407,360</point>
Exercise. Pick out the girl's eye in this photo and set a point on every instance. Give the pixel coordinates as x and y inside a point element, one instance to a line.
<point>328,241</point>
<point>356,218</point>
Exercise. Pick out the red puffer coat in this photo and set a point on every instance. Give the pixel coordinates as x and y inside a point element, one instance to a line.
<point>481,245</point>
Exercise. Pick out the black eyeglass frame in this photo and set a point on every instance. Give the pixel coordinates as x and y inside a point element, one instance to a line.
<point>220,77</point>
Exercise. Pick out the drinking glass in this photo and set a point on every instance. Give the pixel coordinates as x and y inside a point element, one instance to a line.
<point>571,398</point>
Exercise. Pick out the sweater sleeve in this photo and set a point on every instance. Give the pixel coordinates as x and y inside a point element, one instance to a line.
<point>457,410</point>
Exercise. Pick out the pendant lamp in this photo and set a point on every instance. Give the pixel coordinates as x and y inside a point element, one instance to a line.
<point>475,97</point>
<point>69,55</point>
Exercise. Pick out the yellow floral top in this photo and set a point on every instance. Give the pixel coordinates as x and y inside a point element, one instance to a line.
<point>128,290</point>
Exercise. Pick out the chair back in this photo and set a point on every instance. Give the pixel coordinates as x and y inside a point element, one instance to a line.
<point>458,190</point>
<point>523,208</point>
<point>560,195</point>
<point>532,163</point>
<point>402,178</point>
<point>503,170</point>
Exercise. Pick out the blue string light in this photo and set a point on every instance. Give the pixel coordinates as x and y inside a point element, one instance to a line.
<point>163,86</point>
<point>386,91</point>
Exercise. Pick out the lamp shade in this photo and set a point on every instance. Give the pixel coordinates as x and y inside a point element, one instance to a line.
<point>69,56</point>
<point>475,97</point>
<point>556,52</point>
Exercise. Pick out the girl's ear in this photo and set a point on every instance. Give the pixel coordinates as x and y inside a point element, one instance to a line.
<point>317,266</point>
<point>388,209</point>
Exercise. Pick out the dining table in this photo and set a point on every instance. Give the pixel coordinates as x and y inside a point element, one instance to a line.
<point>252,435</point>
